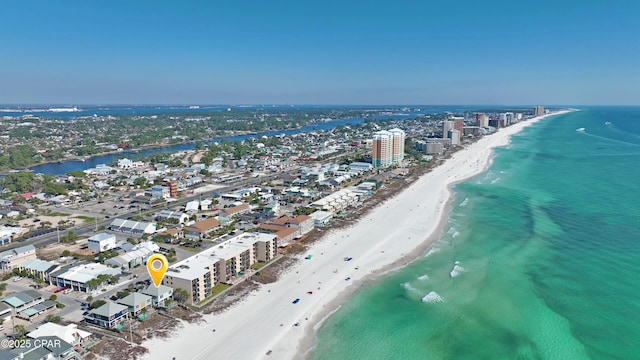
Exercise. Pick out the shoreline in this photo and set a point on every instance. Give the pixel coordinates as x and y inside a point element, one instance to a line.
<point>264,322</point>
<point>307,343</point>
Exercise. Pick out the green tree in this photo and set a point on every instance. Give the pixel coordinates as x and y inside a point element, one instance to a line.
<point>53,297</point>
<point>180,295</point>
<point>53,318</point>
<point>20,331</point>
<point>96,304</point>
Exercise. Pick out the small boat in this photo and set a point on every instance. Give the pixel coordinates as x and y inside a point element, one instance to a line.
<point>607,123</point>
<point>580,129</point>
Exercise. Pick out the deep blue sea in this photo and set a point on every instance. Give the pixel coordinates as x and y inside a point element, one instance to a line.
<point>540,258</point>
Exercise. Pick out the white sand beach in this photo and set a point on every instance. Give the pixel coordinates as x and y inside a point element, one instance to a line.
<point>395,232</point>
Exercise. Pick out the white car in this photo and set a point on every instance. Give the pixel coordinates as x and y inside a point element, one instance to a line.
<point>17,279</point>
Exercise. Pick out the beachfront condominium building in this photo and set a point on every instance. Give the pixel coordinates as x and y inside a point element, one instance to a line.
<point>397,145</point>
<point>223,263</point>
<point>458,123</point>
<point>387,148</point>
<point>538,111</point>
<point>482,119</point>
<point>381,149</point>
<point>447,125</point>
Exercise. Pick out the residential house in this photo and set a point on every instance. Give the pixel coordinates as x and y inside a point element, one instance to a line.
<point>136,302</point>
<point>200,229</point>
<point>159,295</point>
<point>108,316</point>
<point>230,213</point>
<point>285,234</point>
<point>47,347</point>
<point>321,218</point>
<point>69,333</point>
<point>9,213</point>
<point>302,223</point>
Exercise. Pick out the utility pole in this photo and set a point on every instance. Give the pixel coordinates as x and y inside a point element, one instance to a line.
<point>96,219</point>
<point>130,330</point>
<point>58,231</point>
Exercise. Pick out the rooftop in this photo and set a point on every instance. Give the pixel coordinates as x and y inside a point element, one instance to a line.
<point>86,272</point>
<point>134,299</point>
<point>109,309</point>
<point>204,225</point>
<point>154,291</point>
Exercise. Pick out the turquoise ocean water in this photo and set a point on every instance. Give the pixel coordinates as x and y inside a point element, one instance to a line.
<point>540,258</point>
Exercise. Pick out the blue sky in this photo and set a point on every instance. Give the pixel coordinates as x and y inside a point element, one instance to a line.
<point>320,52</point>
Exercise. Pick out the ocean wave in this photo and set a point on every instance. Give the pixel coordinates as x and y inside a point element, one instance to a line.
<point>423,277</point>
<point>410,288</point>
<point>465,202</point>
<point>432,297</point>
<point>431,251</point>
<point>457,270</point>
<point>495,180</point>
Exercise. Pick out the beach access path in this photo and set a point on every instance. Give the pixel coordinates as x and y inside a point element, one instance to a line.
<point>397,231</point>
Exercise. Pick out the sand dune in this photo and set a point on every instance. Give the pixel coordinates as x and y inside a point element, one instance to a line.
<point>392,234</point>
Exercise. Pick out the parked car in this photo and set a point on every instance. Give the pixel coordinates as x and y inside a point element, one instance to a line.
<point>296,301</point>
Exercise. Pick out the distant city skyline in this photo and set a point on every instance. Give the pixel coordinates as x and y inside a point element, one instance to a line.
<point>330,52</point>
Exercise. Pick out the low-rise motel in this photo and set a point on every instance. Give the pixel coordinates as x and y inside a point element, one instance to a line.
<point>222,263</point>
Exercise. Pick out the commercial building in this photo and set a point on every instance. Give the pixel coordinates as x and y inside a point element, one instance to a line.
<point>175,215</point>
<point>12,258</point>
<point>8,233</point>
<point>135,256</point>
<point>159,192</point>
<point>101,242</point>
<point>76,277</point>
<point>538,111</point>
<point>132,227</point>
<point>39,269</point>
<point>223,263</point>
